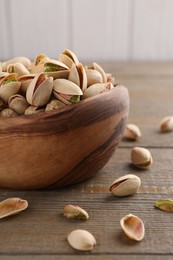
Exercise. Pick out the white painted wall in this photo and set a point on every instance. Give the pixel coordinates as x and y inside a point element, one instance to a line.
<point>94,29</point>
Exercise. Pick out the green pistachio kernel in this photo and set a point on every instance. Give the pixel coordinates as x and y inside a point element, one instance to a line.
<point>75,99</point>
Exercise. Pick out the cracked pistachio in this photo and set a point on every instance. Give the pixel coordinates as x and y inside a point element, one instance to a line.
<point>125,185</point>
<point>165,205</point>
<point>78,76</point>
<point>25,61</point>
<point>81,239</point>
<point>54,104</point>
<point>75,212</point>
<point>33,110</point>
<point>132,132</point>
<point>96,89</point>
<point>18,68</point>
<point>93,77</point>
<point>166,124</point>
<point>12,206</point>
<point>18,103</point>
<point>133,227</point>
<point>8,112</point>
<point>68,58</point>
<point>141,157</point>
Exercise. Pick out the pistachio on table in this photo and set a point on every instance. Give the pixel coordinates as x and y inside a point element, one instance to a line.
<point>125,185</point>
<point>166,124</point>
<point>132,132</point>
<point>12,206</point>
<point>141,157</point>
<point>165,205</point>
<point>133,227</point>
<point>75,212</point>
<point>81,240</point>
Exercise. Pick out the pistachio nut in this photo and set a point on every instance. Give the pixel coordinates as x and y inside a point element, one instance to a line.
<point>97,67</point>
<point>132,132</point>
<point>165,205</point>
<point>66,91</point>
<point>54,104</point>
<point>41,58</point>
<point>166,124</point>
<point>93,77</point>
<point>18,104</point>
<point>25,61</point>
<point>12,206</point>
<point>39,90</point>
<point>96,89</point>
<point>75,212</point>
<point>9,86</point>
<point>68,58</point>
<point>33,110</point>
<point>81,239</point>
<point>56,69</point>
<point>141,157</point>
<point>78,76</point>
<point>133,227</point>
<point>125,185</point>
<point>25,81</point>
<point>17,68</point>
<point>7,112</point>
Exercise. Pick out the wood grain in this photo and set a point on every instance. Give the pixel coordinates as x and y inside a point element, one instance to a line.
<point>40,232</point>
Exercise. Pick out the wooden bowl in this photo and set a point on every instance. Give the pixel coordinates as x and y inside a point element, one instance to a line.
<point>62,147</point>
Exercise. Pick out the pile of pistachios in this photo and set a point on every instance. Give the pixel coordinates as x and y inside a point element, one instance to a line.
<point>45,84</point>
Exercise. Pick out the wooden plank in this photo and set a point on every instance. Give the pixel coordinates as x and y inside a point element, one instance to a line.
<point>40,29</point>
<point>100,31</point>
<point>151,30</point>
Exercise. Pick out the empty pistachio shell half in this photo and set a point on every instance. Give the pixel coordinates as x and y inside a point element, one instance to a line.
<point>18,103</point>
<point>39,90</point>
<point>141,157</point>
<point>12,206</point>
<point>132,132</point>
<point>81,240</point>
<point>8,112</point>
<point>165,205</point>
<point>75,212</point>
<point>166,124</point>
<point>125,185</point>
<point>133,227</point>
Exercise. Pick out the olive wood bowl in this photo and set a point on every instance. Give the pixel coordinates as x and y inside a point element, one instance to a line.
<point>62,147</point>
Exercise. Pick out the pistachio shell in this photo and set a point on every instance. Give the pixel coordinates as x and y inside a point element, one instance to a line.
<point>166,124</point>
<point>18,68</point>
<point>9,86</point>
<point>165,205</point>
<point>41,58</point>
<point>133,227</point>
<point>132,132</point>
<point>100,69</point>
<point>125,185</point>
<point>68,57</point>
<point>18,103</point>
<point>12,206</point>
<point>141,157</point>
<point>96,89</point>
<point>60,70</point>
<point>7,112</point>
<point>75,212</point>
<point>110,78</point>
<point>39,90</point>
<point>25,81</point>
<point>54,104</point>
<point>33,110</point>
<point>93,77</point>
<point>81,240</point>
<point>25,61</point>
<point>78,76</point>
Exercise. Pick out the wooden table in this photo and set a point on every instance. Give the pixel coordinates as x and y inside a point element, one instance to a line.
<point>40,232</point>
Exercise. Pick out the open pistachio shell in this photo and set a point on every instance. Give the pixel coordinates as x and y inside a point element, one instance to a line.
<point>25,81</point>
<point>39,90</point>
<point>133,227</point>
<point>18,103</point>
<point>68,57</point>
<point>125,185</point>
<point>9,86</point>
<point>65,90</point>
<point>96,89</point>
<point>3,75</point>
<point>25,61</point>
<point>54,104</point>
<point>12,206</point>
<point>33,110</point>
<point>81,240</point>
<point>78,76</point>
<point>56,69</point>
<point>100,69</point>
<point>18,68</point>
<point>93,77</point>
<point>41,58</point>
<point>141,157</point>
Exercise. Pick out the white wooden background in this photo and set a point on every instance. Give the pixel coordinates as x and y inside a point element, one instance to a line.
<point>94,29</point>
